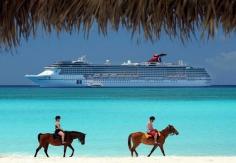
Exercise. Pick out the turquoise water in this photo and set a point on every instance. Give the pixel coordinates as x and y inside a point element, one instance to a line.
<point>204,117</point>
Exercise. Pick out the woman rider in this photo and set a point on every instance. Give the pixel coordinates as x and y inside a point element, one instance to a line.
<point>151,130</point>
<point>59,130</point>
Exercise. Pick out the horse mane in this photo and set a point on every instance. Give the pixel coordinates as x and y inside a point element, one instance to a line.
<point>165,129</point>
<point>76,132</point>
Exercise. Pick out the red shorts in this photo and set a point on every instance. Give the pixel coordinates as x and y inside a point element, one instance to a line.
<point>153,133</point>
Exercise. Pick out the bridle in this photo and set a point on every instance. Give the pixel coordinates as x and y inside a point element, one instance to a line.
<point>81,138</point>
<point>170,130</point>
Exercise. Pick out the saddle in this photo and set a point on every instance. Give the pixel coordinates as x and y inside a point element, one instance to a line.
<point>56,136</point>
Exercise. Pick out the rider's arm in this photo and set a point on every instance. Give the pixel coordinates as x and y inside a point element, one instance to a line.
<point>59,126</point>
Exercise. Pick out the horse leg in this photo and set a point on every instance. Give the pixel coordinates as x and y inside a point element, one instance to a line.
<point>162,150</point>
<point>70,146</point>
<point>132,152</point>
<point>153,149</point>
<point>136,153</point>
<point>39,147</point>
<point>65,147</point>
<point>46,150</point>
<point>133,149</point>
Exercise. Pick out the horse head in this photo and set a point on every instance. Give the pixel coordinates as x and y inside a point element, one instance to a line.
<point>81,138</point>
<point>172,130</point>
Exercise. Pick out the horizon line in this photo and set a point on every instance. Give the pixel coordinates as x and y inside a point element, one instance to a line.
<point>31,85</point>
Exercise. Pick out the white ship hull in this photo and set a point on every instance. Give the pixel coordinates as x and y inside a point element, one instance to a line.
<point>118,83</point>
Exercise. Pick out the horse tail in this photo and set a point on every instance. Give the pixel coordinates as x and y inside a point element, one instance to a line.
<point>129,141</point>
<point>39,136</point>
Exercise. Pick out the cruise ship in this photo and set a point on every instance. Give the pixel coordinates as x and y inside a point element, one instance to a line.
<point>152,73</point>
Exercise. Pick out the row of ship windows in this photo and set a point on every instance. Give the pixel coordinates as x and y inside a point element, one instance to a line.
<point>135,76</point>
<point>141,78</point>
<point>93,68</point>
<point>143,74</point>
<point>128,79</point>
<point>121,66</point>
<point>122,81</point>
<point>134,73</point>
<point>131,68</point>
<point>69,69</point>
<point>125,70</point>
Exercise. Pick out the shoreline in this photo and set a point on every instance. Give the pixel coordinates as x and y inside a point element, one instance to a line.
<point>141,159</point>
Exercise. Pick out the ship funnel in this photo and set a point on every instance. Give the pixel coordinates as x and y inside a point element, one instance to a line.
<point>156,58</point>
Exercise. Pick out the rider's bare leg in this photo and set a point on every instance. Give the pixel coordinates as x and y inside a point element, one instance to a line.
<point>62,137</point>
<point>155,138</point>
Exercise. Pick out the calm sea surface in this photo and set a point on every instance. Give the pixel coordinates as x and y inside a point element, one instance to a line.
<point>204,117</point>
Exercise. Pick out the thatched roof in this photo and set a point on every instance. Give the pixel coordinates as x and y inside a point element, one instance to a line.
<point>177,18</point>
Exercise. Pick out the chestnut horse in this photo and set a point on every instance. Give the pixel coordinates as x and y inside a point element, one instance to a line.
<point>46,139</point>
<point>139,137</point>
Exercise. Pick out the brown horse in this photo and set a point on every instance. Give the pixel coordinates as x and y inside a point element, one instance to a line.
<point>46,139</point>
<point>139,137</point>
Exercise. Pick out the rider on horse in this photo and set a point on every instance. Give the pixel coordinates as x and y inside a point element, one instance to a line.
<point>151,130</point>
<point>59,130</point>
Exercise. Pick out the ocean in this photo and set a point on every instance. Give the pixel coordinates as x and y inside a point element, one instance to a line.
<point>204,117</point>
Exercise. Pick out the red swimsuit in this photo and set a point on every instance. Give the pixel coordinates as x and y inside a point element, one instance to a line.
<point>151,130</point>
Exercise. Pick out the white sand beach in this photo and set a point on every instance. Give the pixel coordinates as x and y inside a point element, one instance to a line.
<point>142,159</point>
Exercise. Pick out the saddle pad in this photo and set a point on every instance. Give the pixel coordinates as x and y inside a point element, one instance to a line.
<point>148,136</point>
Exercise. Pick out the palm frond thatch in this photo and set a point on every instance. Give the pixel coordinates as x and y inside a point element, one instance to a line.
<point>177,18</point>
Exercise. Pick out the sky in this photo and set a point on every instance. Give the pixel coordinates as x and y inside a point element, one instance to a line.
<point>217,55</point>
